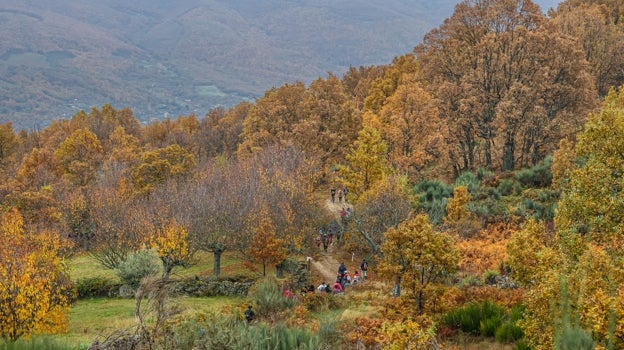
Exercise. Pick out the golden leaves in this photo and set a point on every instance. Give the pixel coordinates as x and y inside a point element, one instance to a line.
<point>34,286</point>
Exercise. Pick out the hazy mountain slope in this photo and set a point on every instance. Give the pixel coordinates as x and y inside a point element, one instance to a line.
<point>186,56</point>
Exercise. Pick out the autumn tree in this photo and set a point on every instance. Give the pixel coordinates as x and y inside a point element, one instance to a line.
<point>172,246</point>
<point>35,289</point>
<point>220,131</point>
<point>39,168</point>
<point>586,250</point>
<point>417,256</point>
<point>266,248</point>
<point>103,121</point>
<point>599,31</point>
<point>80,156</point>
<point>384,87</point>
<point>413,130</point>
<point>384,206</point>
<point>8,140</point>
<point>331,123</point>
<point>367,162</point>
<point>357,83</point>
<point>120,226</point>
<point>213,206</point>
<point>272,118</point>
<point>508,87</point>
<point>593,207</point>
<point>159,165</point>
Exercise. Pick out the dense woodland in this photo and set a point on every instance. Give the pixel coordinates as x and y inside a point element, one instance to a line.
<point>486,166</point>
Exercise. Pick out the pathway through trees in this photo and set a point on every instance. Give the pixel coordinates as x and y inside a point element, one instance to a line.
<point>327,265</point>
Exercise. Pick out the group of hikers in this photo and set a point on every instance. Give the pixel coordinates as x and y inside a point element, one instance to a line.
<point>325,237</point>
<point>342,193</point>
<point>344,279</point>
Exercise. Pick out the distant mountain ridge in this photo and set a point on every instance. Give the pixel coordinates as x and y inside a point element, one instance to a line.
<point>186,56</point>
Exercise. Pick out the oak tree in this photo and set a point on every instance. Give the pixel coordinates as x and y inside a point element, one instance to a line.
<point>417,256</point>
<point>508,87</point>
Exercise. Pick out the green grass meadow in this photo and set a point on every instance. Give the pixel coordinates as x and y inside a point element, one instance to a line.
<point>90,319</point>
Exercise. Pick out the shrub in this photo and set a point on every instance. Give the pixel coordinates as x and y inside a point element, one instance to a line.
<point>468,318</point>
<point>539,175</point>
<point>330,332</point>
<point>268,299</point>
<point>508,332</point>
<point>469,180</point>
<point>433,197</point>
<point>506,187</point>
<point>489,327</point>
<point>96,287</point>
<point>280,337</point>
<point>320,302</point>
<point>521,346</point>
<point>575,338</point>
<point>138,265</point>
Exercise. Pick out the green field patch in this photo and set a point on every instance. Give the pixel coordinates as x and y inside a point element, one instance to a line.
<point>95,318</point>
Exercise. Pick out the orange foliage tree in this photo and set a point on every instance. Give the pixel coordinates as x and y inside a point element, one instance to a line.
<point>35,289</point>
<point>418,257</point>
<point>266,248</point>
<point>171,244</point>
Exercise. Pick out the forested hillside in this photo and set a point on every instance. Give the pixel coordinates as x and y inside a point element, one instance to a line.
<point>188,56</point>
<point>484,186</point>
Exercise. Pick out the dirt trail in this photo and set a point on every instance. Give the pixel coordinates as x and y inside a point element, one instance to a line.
<point>326,265</point>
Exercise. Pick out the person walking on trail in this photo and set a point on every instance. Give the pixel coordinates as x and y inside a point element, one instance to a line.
<point>364,268</point>
<point>342,269</point>
<point>339,196</point>
<point>344,193</point>
<point>249,314</point>
<point>333,194</point>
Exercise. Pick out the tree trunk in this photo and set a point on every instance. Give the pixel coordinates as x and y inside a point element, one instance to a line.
<point>508,154</point>
<point>396,289</point>
<point>279,270</point>
<point>420,302</point>
<point>216,270</point>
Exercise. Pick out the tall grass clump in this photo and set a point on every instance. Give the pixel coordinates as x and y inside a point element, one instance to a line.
<point>268,300</point>
<point>470,317</point>
<point>42,342</point>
